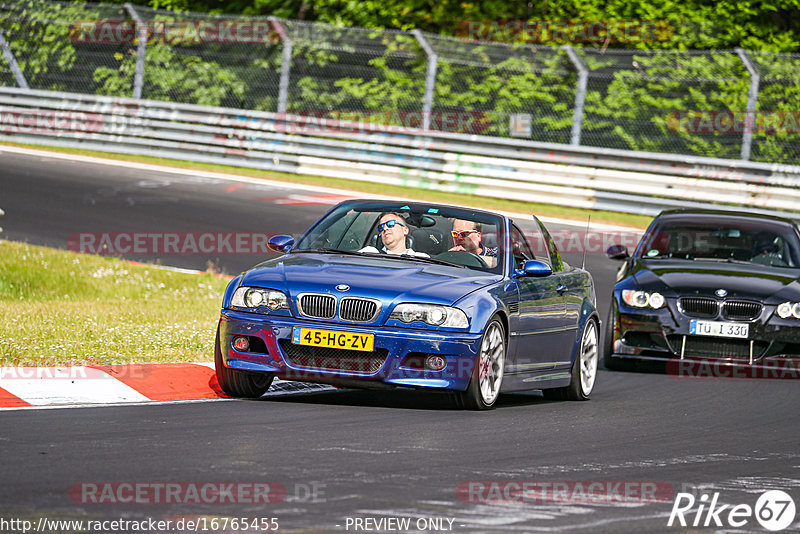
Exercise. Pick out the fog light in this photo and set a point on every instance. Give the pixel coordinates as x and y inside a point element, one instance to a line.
<point>435,363</point>
<point>241,344</point>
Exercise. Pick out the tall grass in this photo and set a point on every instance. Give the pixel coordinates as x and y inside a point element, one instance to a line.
<point>64,308</point>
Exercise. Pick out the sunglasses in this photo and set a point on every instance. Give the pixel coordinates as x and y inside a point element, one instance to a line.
<point>389,224</point>
<point>463,234</point>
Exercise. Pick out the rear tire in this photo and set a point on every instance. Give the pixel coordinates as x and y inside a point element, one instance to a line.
<point>584,368</point>
<point>487,373</point>
<point>239,383</point>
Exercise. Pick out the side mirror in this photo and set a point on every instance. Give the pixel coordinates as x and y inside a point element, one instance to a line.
<point>536,268</point>
<point>280,243</point>
<point>617,252</point>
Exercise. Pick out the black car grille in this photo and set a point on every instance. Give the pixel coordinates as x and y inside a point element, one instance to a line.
<point>741,309</point>
<point>328,359</point>
<point>358,310</point>
<point>715,347</point>
<point>318,306</point>
<point>699,306</point>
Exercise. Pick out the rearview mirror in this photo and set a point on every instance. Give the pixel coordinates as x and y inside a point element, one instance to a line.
<point>617,252</point>
<point>535,268</point>
<point>280,243</point>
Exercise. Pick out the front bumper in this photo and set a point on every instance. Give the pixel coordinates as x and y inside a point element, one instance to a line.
<point>664,334</point>
<point>396,360</point>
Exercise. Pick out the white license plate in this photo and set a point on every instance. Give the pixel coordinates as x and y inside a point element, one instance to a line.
<point>719,329</point>
<point>332,339</point>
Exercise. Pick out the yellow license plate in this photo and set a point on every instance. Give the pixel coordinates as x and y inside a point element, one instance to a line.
<point>332,339</point>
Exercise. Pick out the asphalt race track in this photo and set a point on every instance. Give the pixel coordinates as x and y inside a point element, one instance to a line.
<point>355,461</point>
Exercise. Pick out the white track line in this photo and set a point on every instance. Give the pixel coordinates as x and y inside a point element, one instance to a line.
<point>66,385</point>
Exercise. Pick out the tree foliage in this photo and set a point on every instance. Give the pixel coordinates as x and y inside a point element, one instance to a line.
<point>638,94</point>
<point>691,24</point>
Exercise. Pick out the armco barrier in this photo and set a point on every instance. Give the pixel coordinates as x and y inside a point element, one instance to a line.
<point>586,177</point>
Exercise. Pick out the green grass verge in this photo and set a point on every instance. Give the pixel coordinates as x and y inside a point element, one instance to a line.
<point>64,308</point>
<point>542,210</point>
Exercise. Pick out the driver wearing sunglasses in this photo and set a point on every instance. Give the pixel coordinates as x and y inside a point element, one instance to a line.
<point>393,230</point>
<point>467,238</point>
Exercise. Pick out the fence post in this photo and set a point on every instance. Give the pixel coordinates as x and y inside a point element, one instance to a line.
<point>141,50</point>
<point>430,78</point>
<point>752,98</point>
<point>12,63</point>
<point>286,63</point>
<point>580,94</point>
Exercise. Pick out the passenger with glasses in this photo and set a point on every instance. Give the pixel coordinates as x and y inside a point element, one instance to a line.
<point>393,230</point>
<point>467,238</point>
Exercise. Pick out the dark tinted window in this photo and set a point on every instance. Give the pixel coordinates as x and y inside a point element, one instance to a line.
<point>462,236</point>
<point>723,239</point>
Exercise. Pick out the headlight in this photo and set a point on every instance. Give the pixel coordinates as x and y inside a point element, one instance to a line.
<point>789,309</point>
<point>255,297</point>
<point>431,314</point>
<point>642,299</point>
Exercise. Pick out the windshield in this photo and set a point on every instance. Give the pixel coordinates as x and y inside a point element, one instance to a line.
<point>410,232</point>
<point>755,241</point>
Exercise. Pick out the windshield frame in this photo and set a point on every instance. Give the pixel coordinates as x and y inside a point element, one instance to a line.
<point>721,223</point>
<point>415,212</point>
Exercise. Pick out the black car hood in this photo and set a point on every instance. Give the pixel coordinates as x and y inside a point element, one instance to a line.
<point>740,280</point>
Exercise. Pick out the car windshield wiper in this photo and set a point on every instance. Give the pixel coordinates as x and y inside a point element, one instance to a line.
<point>333,251</point>
<point>424,259</point>
<point>392,256</point>
<point>720,260</point>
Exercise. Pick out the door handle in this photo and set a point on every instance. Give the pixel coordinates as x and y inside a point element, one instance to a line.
<point>561,288</point>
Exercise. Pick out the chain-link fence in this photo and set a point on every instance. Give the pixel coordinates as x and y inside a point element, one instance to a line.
<point>728,104</point>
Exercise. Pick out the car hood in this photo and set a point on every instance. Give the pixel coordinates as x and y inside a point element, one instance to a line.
<point>379,277</point>
<point>740,280</point>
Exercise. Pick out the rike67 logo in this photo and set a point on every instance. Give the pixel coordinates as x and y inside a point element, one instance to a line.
<point>774,510</point>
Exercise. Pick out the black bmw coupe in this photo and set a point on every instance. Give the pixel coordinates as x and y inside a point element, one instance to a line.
<point>707,285</point>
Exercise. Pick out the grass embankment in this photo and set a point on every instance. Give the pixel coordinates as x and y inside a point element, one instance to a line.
<point>64,308</point>
<point>540,209</point>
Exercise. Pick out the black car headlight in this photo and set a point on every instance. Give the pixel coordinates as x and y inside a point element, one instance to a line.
<point>789,309</point>
<point>256,297</point>
<point>643,299</point>
<point>431,314</point>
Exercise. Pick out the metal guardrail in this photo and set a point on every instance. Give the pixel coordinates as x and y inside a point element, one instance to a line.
<point>672,98</point>
<point>616,180</point>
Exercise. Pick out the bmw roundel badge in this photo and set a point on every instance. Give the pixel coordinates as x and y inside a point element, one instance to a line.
<point>721,293</point>
<point>342,287</point>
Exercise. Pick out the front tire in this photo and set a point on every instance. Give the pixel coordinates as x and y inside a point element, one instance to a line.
<point>584,368</point>
<point>239,383</point>
<point>487,374</point>
<point>609,362</point>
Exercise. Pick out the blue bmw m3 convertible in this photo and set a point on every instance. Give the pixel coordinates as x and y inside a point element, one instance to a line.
<point>384,294</point>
